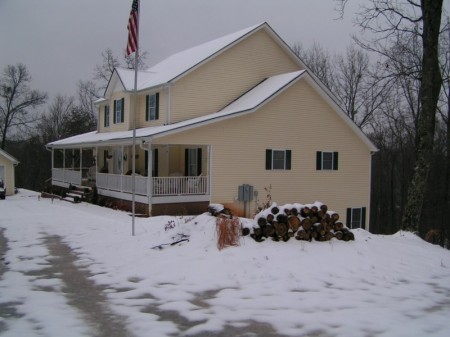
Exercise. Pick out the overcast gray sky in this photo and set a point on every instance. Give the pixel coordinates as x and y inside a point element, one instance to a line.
<point>60,41</point>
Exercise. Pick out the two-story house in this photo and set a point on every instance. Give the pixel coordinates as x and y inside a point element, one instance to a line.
<point>239,110</point>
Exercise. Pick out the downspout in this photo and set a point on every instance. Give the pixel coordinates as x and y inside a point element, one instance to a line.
<point>168,102</point>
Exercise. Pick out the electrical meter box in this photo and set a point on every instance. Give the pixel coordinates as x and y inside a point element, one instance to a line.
<point>245,193</point>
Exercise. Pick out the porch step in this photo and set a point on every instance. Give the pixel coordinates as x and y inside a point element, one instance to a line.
<point>78,193</point>
<point>58,197</point>
<point>73,197</point>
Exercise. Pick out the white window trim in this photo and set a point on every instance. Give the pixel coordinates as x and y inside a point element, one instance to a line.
<point>284,159</point>
<point>360,217</point>
<point>332,161</point>
<point>151,116</point>
<point>118,112</point>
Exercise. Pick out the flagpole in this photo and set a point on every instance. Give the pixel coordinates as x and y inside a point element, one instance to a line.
<point>133,152</point>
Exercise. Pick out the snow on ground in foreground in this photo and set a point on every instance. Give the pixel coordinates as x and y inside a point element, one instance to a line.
<point>376,285</point>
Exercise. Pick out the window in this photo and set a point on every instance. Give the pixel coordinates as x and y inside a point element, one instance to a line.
<point>193,162</point>
<point>278,159</point>
<point>327,160</point>
<point>106,116</point>
<point>356,217</point>
<point>119,111</point>
<point>152,107</point>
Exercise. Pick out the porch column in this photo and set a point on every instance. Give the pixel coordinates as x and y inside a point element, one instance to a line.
<point>121,168</point>
<point>149,171</point>
<point>209,170</point>
<point>96,162</point>
<point>64,165</point>
<point>81,165</point>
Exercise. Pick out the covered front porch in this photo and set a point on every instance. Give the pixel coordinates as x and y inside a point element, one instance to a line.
<point>178,173</point>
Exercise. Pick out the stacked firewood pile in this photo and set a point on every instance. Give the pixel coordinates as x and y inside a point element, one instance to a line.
<point>304,222</point>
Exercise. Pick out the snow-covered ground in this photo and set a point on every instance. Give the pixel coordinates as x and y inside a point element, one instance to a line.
<point>376,285</point>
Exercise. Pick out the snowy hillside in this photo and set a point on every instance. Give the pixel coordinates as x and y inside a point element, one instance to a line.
<point>376,285</point>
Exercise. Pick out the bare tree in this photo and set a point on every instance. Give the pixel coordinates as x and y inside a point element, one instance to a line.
<point>444,113</point>
<point>88,93</point>
<point>52,126</point>
<point>17,101</point>
<point>387,19</point>
<point>359,91</point>
<point>318,60</point>
<point>103,71</point>
<point>129,60</point>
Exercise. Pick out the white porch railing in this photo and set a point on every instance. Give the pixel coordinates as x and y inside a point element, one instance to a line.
<point>180,185</point>
<point>162,186</point>
<point>66,176</point>
<point>121,183</point>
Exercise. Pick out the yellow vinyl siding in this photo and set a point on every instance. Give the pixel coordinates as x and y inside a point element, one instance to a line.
<point>227,76</point>
<point>128,106</point>
<point>298,120</point>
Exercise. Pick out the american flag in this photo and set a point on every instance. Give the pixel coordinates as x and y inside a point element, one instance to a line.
<point>133,28</point>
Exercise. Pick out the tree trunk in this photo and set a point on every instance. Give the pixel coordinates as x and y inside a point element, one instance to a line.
<point>430,88</point>
<point>445,224</point>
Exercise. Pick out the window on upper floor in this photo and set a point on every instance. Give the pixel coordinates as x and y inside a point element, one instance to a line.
<point>119,111</point>
<point>106,116</point>
<point>278,159</point>
<point>152,107</point>
<point>327,160</point>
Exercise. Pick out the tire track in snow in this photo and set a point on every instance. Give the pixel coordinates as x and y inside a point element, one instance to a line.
<point>83,293</point>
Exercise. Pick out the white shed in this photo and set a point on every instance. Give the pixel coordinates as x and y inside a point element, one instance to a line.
<point>7,174</point>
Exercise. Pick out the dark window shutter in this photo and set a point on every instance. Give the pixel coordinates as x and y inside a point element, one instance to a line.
<point>147,98</point>
<point>349,217</point>
<point>363,218</point>
<point>288,159</point>
<point>156,161</point>
<point>157,106</point>
<point>114,112</point>
<point>122,113</point>
<point>186,162</point>
<point>335,160</point>
<point>268,159</point>
<point>318,160</point>
<point>199,161</point>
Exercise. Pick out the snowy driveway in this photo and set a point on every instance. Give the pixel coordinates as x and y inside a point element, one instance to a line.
<point>75,270</point>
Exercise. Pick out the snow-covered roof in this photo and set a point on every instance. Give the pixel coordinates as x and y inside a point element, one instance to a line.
<point>248,102</point>
<point>180,63</point>
<point>9,157</point>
